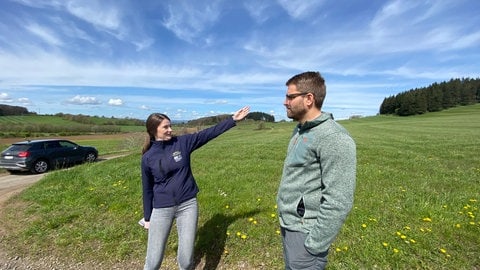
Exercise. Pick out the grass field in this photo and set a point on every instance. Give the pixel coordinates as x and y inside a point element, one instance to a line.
<point>51,125</point>
<point>416,204</point>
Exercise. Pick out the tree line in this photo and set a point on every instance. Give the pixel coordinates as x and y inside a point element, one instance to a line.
<point>6,110</point>
<point>90,120</point>
<point>433,98</point>
<point>212,120</point>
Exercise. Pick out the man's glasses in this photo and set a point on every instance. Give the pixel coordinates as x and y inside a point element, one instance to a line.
<point>292,96</point>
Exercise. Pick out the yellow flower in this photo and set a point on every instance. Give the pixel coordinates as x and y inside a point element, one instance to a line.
<point>244,236</point>
<point>273,215</point>
<point>396,250</point>
<point>225,251</point>
<point>255,222</point>
<point>412,241</point>
<point>385,244</point>
<point>364,225</point>
<point>277,231</point>
<point>427,219</point>
<point>458,225</point>
<point>250,219</point>
<point>442,250</point>
<point>338,249</point>
<point>227,206</point>
<point>239,234</point>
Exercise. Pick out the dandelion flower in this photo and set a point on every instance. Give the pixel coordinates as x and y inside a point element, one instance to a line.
<point>338,249</point>
<point>273,215</point>
<point>442,250</point>
<point>427,219</point>
<point>239,234</point>
<point>385,244</point>
<point>364,225</point>
<point>396,250</point>
<point>277,231</point>
<point>250,219</point>
<point>244,236</point>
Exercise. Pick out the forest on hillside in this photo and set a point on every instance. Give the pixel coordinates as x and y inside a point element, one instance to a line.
<point>433,98</point>
<point>6,110</point>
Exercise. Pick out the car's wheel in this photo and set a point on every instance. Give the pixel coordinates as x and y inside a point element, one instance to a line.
<point>40,166</point>
<point>90,157</point>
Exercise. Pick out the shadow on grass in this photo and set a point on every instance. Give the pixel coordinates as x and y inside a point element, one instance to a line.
<point>212,237</point>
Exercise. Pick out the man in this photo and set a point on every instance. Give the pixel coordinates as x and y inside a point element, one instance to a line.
<point>318,182</point>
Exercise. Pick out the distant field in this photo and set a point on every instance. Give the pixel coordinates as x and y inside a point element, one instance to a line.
<point>416,205</point>
<point>41,125</point>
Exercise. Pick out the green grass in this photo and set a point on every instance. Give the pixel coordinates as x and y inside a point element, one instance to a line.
<point>36,124</point>
<point>416,203</point>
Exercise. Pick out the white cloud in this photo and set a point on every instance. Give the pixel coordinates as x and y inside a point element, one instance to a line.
<point>257,10</point>
<point>93,12</point>
<point>4,97</point>
<point>188,20</point>
<point>84,100</point>
<point>300,9</point>
<point>45,34</point>
<point>24,101</point>
<point>115,102</point>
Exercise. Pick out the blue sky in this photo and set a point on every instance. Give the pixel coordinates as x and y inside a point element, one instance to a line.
<point>190,59</point>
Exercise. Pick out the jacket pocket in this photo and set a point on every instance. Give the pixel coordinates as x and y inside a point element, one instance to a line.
<point>301,208</point>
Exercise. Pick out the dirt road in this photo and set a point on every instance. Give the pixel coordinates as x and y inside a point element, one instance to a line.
<point>11,184</point>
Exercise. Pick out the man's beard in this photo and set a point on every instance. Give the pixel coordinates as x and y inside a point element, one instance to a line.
<point>296,113</point>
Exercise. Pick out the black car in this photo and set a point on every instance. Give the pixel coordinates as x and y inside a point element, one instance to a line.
<point>39,156</point>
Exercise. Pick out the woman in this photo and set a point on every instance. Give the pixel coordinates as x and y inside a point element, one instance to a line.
<point>169,188</point>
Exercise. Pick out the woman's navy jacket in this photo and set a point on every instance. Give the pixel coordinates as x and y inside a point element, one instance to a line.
<point>167,177</point>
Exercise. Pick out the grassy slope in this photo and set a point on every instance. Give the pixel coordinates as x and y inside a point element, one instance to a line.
<point>416,203</point>
<point>58,121</point>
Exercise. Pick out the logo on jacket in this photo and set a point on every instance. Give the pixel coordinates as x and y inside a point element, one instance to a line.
<point>177,156</point>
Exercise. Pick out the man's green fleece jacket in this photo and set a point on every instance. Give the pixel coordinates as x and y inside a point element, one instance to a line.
<point>318,182</point>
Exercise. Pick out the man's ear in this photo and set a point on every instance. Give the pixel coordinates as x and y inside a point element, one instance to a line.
<point>310,99</point>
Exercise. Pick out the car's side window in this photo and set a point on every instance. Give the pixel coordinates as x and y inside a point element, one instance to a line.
<point>52,145</point>
<point>67,144</point>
